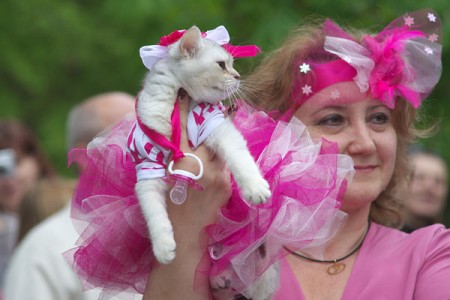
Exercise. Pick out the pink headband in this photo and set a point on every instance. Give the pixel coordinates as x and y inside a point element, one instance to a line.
<point>403,60</point>
<point>151,54</point>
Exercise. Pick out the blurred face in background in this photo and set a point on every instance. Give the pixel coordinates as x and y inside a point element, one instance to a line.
<point>428,186</point>
<point>22,163</point>
<point>16,182</point>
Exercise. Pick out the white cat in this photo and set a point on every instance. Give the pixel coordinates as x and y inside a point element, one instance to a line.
<point>205,71</point>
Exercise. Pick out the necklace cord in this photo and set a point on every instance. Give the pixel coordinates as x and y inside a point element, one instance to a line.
<point>333,260</point>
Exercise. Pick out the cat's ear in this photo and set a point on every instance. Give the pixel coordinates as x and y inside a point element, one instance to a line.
<point>190,42</point>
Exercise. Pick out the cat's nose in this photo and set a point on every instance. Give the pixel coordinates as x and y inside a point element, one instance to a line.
<point>235,74</point>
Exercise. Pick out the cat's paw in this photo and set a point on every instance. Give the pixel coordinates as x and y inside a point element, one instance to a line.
<point>164,249</point>
<point>256,189</point>
<point>265,286</point>
<point>221,285</point>
<point>221,281</point>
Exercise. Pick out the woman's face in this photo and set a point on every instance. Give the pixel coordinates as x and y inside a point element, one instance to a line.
<point>13,188</point>
<point>363,129</point>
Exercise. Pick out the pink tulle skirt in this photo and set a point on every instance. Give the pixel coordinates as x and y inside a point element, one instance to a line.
<point>307,179</point>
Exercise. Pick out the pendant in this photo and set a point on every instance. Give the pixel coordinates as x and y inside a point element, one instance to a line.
<point>336,268</point>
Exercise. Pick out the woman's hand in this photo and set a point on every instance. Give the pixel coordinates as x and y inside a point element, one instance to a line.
<point>201,207</point>
<point>189,220</point>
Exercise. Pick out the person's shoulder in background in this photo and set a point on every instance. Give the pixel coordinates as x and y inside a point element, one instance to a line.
<point>38,262</point>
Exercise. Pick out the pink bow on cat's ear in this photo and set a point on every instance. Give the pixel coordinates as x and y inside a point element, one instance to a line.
<point>151,54</point>
<point>190,42</point>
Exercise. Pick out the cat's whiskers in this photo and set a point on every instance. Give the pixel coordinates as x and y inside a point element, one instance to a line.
<point>248,91</point>
<point>232,86</point>
<point>230,90</point>
<point>239,96</point>
<point>241,93</point>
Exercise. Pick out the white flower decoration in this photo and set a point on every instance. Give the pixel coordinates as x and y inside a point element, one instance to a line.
<point>304,68</point>
<point>335,94</point>
<point>306,89</point>
<point>431,17</point>
<point>428,50</point>
<point>409,21</point>
<point>433,37</point>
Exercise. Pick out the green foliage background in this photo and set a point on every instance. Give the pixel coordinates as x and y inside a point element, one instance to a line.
<point>56,53</point>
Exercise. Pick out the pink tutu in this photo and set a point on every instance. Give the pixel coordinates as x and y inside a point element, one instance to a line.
<point>307,180</point>
<point>113,251</point>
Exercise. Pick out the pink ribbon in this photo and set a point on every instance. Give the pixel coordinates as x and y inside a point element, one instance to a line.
<point>161,140</point>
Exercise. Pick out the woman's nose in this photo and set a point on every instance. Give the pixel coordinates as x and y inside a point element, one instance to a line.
<point>361,140</point>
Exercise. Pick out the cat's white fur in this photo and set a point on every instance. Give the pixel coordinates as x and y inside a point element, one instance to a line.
<point>263,288</point>
<point>205,71</point>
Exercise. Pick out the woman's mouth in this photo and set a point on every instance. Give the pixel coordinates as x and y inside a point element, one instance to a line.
<point>364,168</point>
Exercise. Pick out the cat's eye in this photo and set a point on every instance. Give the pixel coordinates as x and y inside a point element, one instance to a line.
<point>221,64</point>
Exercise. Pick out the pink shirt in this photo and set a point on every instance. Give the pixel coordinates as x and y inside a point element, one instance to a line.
<point>391,265</point>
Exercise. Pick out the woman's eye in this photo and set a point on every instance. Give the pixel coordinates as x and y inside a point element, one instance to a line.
<point>379,118</point>
<point>331,120</point>
<point>221,64</point>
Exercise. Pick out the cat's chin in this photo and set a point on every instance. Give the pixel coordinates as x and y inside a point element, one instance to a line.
<point>209,98</point>
<point>210,101</point>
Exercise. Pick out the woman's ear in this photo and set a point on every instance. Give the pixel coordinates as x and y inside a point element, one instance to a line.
<point>190,42</point>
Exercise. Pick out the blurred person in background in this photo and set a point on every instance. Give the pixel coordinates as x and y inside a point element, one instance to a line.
<point>48,196</point>
<point>22,164</point>
<point>428,190</point>
<point>38,269</point>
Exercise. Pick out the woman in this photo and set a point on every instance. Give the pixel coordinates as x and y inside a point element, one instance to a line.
<point>340,95</point>
<point>347,91</point>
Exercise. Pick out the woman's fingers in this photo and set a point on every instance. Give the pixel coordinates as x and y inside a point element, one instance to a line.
<point>183,106</point>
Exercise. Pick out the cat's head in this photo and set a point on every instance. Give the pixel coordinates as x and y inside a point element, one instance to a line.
<point>203,67</point>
